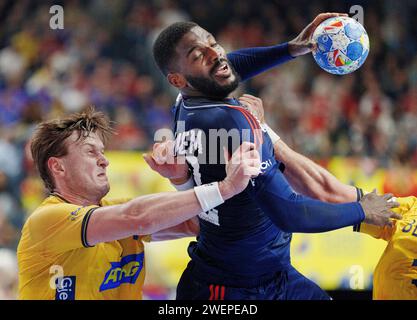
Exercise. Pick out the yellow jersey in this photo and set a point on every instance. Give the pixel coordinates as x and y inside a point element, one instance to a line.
<point>56,263</point>
<point>395,276</point>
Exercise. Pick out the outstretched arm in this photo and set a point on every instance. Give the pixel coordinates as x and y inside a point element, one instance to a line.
<point>293,212</point>
<point>250,62</point>
<point>152,213</point>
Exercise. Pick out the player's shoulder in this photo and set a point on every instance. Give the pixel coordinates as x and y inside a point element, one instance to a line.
<point>211,113</point>
<point>51,204</point>
<point>198,103</point>
<point>52,210</point>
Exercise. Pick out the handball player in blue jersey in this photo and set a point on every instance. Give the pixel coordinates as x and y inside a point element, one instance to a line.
<point>243,248</point>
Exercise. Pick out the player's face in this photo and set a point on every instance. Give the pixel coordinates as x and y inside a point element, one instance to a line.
<point>85,167</point>
<point>203,63</point>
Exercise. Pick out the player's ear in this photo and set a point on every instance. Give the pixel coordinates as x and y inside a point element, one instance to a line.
<point>177,80</point>
<point>55,166</point>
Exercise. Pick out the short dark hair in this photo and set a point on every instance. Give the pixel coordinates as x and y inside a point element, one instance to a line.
<point>49,139</point>
<point>167,41</point>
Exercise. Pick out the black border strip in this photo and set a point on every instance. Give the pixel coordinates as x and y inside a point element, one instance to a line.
<point>357,228</point>
<point>84,226</point>
<point>359,193</point>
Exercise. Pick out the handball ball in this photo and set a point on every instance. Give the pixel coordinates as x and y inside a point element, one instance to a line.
<point>342,45</point>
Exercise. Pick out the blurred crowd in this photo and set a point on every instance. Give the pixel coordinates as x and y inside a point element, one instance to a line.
<point>103,57</point>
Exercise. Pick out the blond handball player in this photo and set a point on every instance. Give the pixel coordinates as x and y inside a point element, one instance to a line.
<point>76,245</point>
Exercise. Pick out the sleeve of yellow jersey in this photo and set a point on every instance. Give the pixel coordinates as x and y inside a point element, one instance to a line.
<point>60,227</point>
<point>386,232</point>
<point>63,227</point>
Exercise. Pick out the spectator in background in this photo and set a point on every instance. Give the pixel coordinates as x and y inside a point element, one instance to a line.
<point>8,274</point>
<point>60,67</point>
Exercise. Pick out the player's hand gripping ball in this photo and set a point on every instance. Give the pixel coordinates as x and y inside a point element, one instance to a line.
<point>342,45</point>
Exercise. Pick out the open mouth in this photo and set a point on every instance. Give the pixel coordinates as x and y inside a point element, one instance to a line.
<point>222,70</point>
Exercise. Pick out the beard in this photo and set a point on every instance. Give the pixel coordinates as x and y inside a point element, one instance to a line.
<point>210,87</point>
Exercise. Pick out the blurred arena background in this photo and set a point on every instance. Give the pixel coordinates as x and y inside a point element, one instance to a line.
<point>362,126</point>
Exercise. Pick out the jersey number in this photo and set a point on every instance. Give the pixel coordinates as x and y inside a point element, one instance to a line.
<point>408,227</point>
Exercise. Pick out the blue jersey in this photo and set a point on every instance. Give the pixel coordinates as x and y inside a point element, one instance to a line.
<point>246,239</point>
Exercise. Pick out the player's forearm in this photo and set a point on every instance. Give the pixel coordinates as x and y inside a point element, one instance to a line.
<point>153,213</point>
<point>296,213</point>
<point>249,62</point>
<point>308,215</point>
<point>310,179</point>
<point>189,228</point>
<point>156,212</point>
<point>149,214</point>
<point>183,184</point>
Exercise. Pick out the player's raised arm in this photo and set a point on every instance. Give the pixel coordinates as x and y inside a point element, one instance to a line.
<point>302,44</point>
<point>250,62</point>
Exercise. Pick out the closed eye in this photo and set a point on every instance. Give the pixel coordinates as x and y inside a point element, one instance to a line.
<point>198,56</point>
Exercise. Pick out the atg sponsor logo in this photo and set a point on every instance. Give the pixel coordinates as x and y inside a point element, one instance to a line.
<point>125,271</point>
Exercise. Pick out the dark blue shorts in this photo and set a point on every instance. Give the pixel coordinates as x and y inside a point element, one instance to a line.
<point>285,285</point>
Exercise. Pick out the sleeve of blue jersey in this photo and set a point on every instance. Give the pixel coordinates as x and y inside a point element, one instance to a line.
<point>250,62</point>
<point>226,119</point>
<point>292,212</point>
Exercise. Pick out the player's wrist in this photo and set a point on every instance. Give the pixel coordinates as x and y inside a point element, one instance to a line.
<point>181,180</point>
<point>226,189</point>
<point>181,185</point>
<point>297,48</point>
<point>209,196</point>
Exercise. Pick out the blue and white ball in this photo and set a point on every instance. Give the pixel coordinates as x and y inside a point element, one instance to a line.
<point>342,45</point>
